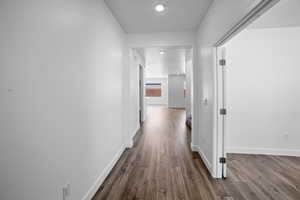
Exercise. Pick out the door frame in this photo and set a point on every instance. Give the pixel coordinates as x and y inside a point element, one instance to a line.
<point>221,104</point>
<point>220,85</point>
<point>141,95</point>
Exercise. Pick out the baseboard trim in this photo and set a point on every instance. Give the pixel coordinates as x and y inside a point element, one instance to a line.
<point>203,157</point>
<point>130,142</point>
<point>157,104</point>
<point>194,148</point>
<point>175,107</point>
<point>264,151</point>
<point>92,191</point>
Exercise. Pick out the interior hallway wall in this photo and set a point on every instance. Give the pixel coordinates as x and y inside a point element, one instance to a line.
<point>61,97</point>
<point>133,106</point>
<point>263,92</point>
<point>220,18</point>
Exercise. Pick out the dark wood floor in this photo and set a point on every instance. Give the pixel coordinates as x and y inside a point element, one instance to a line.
<point>161,166</point>
<point>262,177</point>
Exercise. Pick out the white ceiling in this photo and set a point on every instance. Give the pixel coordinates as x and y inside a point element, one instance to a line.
<point>286,13</point>
<point>172,62</point>
<point>138,16</point>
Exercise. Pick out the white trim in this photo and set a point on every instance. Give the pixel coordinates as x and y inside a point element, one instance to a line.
<point>95,187</point>
<point>264,151</point>
<point>131,139</point>
<point>157,104</point>
<point>176,107</point>
<point>204,158</point>
<point>219,122</point>
<point>130,143</point>
<point>194,147</point>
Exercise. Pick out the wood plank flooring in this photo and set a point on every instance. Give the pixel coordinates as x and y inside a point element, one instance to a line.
<point>261,177</point>
<point>161,166</point>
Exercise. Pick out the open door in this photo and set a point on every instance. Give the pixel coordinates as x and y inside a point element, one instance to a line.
<point>141,94</point>
<point>222,111</point>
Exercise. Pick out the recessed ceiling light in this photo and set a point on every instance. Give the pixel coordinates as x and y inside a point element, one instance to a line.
<point>160,7</point>
<point>161,52</point>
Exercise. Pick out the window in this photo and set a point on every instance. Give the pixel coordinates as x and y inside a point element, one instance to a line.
<point>153,89</point>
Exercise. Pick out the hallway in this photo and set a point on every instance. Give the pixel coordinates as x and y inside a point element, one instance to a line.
<point>161,165</point>
<point>78,77</point>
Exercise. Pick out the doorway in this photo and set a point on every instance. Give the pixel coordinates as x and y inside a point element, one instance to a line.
<point>221,106</point>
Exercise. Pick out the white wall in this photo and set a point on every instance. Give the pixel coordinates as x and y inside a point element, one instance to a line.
<point>161,39</point>
<point>221,16</point>
<point>263,92</point>
<point>133,105</point>
<point>163,100</point>
<point>171,62</point>
<point>61,97</point>
<point>176,97</point>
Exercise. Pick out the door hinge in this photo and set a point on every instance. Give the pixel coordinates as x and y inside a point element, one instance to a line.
<point>223,160</point>
<point>222,62</point>
<point>223,111</point>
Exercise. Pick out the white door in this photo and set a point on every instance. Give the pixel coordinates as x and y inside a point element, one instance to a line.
<point>222,112</point>
<point>176,92</point>
<point>141,95</point>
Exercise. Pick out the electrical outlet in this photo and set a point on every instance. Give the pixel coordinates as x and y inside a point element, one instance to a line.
<point>66,191</point>
<point>286,135</point>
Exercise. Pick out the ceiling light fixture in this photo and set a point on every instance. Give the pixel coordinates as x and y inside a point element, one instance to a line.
<point>160,8</point>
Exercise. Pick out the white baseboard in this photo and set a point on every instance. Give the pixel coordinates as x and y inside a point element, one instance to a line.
<point>203,157</point>
<point>194,147</point>
<point>136,130</point>
<point>131,139</point>
<point>129,144</point>
<point>157,104</point>
<point>177,107</point>
<point>264,151</point>
<point>92,191</point>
